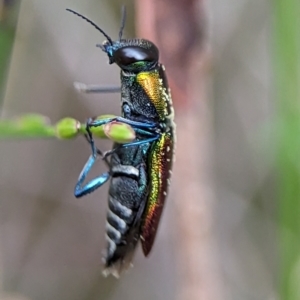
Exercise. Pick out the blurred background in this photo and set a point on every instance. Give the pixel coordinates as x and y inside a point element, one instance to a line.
<point>230,228</point>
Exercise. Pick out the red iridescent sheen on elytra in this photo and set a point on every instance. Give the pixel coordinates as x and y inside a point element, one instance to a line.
<point>161,154</point>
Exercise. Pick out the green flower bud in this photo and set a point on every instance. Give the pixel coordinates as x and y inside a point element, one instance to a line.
<point>119,132</point>
<point>99,130</point>
<point>67,128</point>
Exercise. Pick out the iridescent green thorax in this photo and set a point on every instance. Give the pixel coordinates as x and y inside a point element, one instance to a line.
<point>157,90</point>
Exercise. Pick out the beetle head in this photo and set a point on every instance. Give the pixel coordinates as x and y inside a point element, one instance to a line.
<point>132,55</point>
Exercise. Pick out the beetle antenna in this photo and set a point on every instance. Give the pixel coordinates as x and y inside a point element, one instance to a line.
<point>91,22</point>
<point>123,20</point>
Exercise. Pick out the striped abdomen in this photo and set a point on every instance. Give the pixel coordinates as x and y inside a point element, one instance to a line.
<point>127,197</point>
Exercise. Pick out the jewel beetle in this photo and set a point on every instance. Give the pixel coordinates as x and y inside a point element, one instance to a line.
<point>139,171</point>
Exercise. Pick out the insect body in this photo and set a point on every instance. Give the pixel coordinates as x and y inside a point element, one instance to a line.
<point>139,171</point>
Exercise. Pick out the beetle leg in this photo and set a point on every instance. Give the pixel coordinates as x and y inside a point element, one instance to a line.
<point>140,142</point>
<point>91,141</point>
<point>134,124</point>
<point>82,190</point>
<point>94,88</point>
<point>144,132</point>
<point>95,150</point>
<point>149,140</point>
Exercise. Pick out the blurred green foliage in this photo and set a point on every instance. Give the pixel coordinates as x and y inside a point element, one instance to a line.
<point>286,61</point>
<point>6,42</point>
<point>8,20</point>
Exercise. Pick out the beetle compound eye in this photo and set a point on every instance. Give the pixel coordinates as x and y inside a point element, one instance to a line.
<point>132,54</point>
